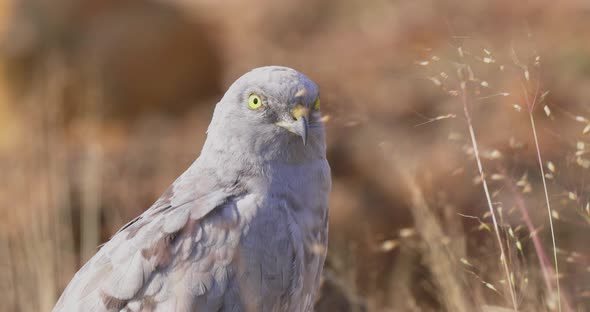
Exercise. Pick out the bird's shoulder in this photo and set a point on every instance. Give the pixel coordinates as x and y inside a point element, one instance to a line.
<point>182,241</point>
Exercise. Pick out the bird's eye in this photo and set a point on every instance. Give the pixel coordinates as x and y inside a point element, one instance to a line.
<point>254,101</point>
<point>316,105</point>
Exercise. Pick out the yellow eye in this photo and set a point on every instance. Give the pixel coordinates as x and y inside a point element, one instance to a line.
<point>254,101</point>
<point>316,105</point>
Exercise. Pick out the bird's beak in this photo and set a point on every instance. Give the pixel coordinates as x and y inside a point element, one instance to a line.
<point>300,124</point>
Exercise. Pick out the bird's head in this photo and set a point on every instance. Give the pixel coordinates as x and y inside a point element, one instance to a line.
<point>271,111</point>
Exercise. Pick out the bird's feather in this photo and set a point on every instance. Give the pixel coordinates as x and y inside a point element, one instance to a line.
<point>134,265</point>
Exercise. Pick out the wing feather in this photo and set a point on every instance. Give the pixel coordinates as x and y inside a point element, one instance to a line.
<point>133,270</point>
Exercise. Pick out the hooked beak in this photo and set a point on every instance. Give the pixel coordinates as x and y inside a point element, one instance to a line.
<point>300,124</point>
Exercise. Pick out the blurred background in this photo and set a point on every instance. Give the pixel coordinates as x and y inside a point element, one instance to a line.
<point>104,102</point>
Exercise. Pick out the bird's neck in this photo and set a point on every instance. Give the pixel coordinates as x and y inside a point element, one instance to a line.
<point>229,164</point>
<point>227,149</point>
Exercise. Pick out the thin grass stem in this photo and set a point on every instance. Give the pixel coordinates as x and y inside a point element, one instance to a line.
<point>549,211</point>
<point>488,196</point>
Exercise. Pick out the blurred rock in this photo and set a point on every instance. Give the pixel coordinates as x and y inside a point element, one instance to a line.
<point>138,56</point>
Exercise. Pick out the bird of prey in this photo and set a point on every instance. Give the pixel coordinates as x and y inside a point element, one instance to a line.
<point>244,228</point>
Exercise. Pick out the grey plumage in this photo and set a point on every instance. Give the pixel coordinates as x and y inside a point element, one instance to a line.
<point>244,228</point>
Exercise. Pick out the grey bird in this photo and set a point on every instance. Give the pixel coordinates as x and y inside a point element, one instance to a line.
<point>244,228</point>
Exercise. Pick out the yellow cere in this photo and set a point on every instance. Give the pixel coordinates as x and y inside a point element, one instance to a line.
<point>316,106</point>
<point>254,101</point>
<point>300,111</point>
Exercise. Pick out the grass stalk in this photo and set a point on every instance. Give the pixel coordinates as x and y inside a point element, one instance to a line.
<point>549,211</point>
<point>487,193</point>
<point>531,105</point>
